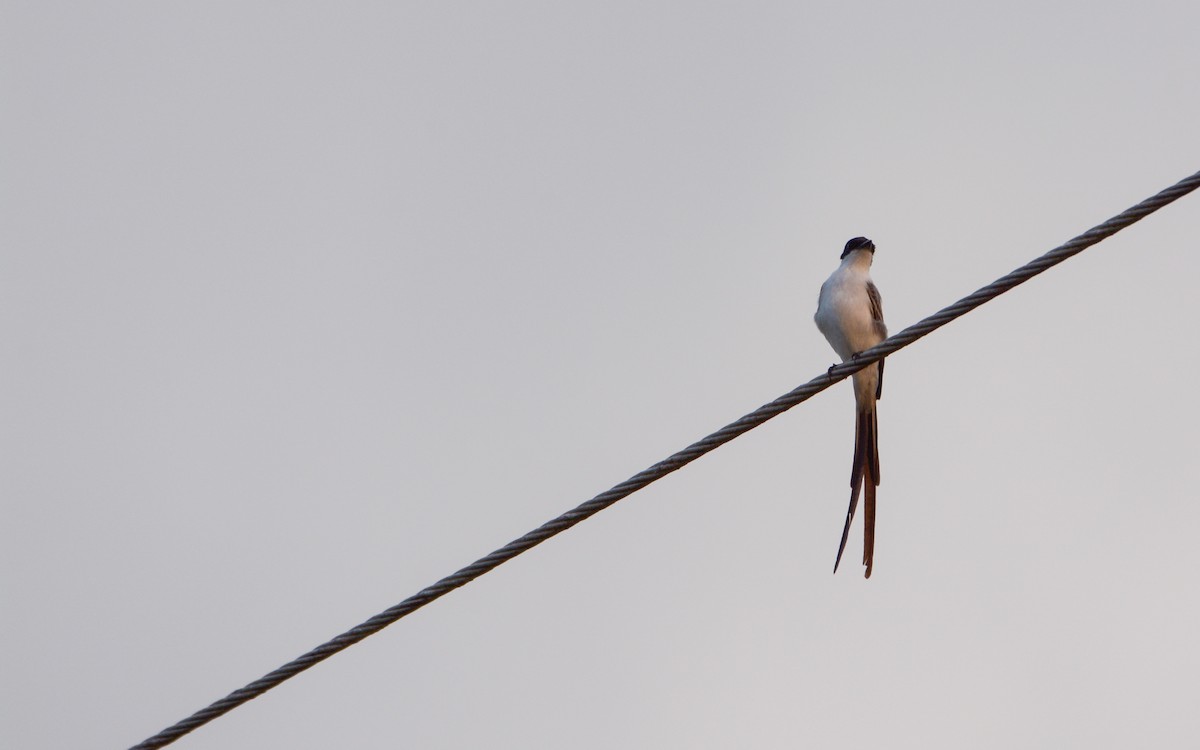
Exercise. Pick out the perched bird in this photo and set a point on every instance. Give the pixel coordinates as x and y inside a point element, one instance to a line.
<point>850,315</point>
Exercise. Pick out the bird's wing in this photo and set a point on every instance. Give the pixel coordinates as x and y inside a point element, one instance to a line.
<point>880,327</point>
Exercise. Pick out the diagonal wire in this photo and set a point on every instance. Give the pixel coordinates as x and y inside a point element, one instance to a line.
<point>673,462</point>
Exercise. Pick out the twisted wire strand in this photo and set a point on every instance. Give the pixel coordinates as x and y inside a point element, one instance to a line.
<point>673,463</point>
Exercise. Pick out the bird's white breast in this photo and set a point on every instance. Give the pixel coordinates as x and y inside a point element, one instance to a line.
<point>844,311</point>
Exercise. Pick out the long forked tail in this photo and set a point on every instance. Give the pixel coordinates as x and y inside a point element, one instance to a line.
<point>865,469</point>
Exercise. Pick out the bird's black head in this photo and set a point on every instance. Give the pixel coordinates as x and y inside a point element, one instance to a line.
<point>858,243</point>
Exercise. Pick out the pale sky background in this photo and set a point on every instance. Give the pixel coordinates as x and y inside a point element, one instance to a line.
<point>306,305</point>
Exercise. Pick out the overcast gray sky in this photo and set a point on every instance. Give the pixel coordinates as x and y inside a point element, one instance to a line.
<point>306,305</point>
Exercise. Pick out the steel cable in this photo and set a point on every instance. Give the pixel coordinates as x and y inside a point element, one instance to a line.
<point>673,463</point>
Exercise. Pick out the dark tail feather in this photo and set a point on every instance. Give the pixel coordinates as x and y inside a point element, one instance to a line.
<point>865,467</point>
<point>863,430</point>
<point>871,465</point>
<point>869,529</point>
<point>871,447</point>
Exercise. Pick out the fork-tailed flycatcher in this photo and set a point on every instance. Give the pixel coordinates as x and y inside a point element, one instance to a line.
<point>850,314</point>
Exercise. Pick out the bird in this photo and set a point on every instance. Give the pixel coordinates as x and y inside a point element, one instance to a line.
<point>850,315</point>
